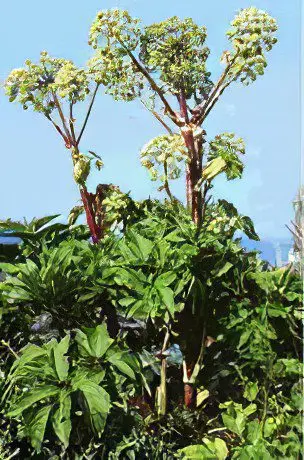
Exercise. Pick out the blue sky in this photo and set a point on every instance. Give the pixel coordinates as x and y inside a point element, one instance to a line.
<point>36,173</point>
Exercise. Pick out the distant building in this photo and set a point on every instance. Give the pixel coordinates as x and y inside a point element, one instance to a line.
<point>283,253</point>
<point>296,255</point>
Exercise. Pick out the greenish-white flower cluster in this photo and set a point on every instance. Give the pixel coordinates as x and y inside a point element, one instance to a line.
<point>71,83</point>
<point>114,27</point>
<point>116,73</point>
<point>175,48</point>
<point>111,34</point>
<point>163,157</point>
<point>82,169</point>
<point>252,34</point>
<point>114,204</point>
<point>35,84</point>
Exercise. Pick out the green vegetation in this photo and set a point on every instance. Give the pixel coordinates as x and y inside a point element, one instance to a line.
<point>159,337</point>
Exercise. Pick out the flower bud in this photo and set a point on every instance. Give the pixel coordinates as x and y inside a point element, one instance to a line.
<point>81,170</point>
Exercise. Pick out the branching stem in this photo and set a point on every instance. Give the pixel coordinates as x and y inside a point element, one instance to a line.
<point>88,114</point>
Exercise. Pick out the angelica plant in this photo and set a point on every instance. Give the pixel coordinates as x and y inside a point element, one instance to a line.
<point>165,65</point>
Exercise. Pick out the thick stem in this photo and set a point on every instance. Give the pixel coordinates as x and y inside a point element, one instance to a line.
<point>200,112</point>
<point>87,199</point>
<point>193,175</point>
<point>194,164</point>
<point>183,106</point>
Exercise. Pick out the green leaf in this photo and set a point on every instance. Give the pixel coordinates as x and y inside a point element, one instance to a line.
<point>61,361</point>
<point>251,391</point>
<point>223,270</point>
<point>28,354</point>
<point>140,246</point>
<point>98,401</point>
<point>62,418</point>
<point>93,342</point>
<point>35,426</point>
<point>167,297</point>
<point>39,223</point>
<point>213,168</point>
<point>201,397</point>
<point>269,427</point>
<point>127,301</point>
<point>165,279</point>
<point>212,449</point>
<point>11,225</point>
<point>248,228</point>
<point>253,431</point>
<point>255,452</point>
<point>174,237</point>
<point>236,425</point>
<point>244,338</point>
<point>197,452</point>
<point>31,398</point>
<point>250,409</point>
<point>218,446</point>
<point>120,360</point>
<point>11,269</point>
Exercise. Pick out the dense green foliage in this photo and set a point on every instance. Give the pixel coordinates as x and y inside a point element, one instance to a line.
<point>166,338</point>
<point>160,274</point>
